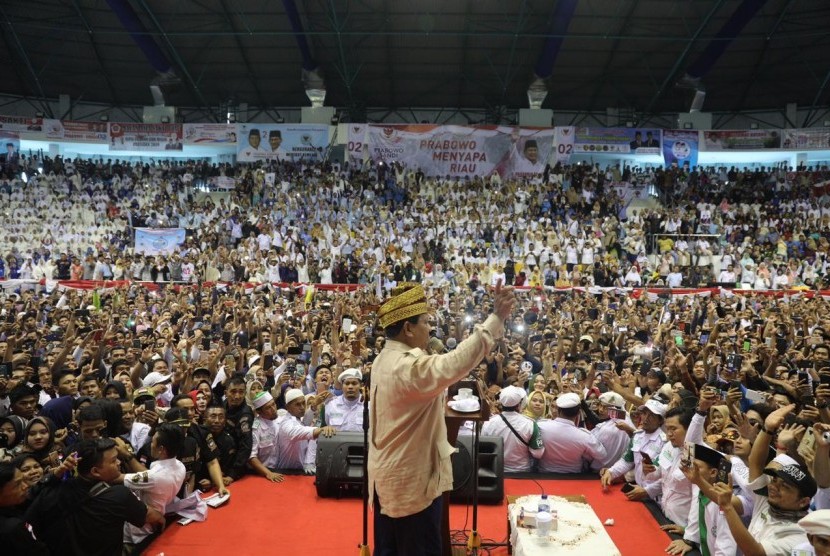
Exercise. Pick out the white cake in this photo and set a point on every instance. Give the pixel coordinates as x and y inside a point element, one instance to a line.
<point>579,530</point>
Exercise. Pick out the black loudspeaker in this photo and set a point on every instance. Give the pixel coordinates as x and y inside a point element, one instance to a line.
<point>490,470</point>
<point>340,465</point>
<point>340,468</point>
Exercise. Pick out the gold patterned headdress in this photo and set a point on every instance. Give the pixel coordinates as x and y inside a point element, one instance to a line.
<point>408,300</point>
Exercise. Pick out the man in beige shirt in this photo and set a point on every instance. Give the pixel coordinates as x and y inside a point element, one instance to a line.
<point>409,456</point>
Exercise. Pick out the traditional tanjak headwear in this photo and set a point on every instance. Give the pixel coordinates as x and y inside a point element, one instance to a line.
<point>408,300</point>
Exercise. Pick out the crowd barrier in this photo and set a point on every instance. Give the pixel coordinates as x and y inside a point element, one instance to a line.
<point>652,293</point>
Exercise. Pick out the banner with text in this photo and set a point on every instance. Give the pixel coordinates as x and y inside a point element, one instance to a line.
<point>223,182</point>
<point>741,140</point>
<point>78,132</point>
<point>806,139</point>
<point>163,241</point>
<point>463,150</point>
<point>20,123</point>
<point>145,137</point>
<point>564,143</point>
<point>680,147</point>
<point>292,142</point>
<point>209,134</point>
<point>357,148</point>
<point>623,140</point>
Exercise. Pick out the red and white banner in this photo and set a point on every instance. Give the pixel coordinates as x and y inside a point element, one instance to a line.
<point>145,137</point>
<point>77,132</point>
<point>460,151</point>
<point>816,138</point>
<point>20,123</point>
<point>635,293</point>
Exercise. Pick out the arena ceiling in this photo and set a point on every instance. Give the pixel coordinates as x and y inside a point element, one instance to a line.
<point>456,54</point>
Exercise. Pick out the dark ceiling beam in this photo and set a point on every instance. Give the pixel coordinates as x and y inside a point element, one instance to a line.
<point>18,45</point>
<point>390,64</point>
<point>682,58</point>
<point>465,40</point>
<point>817,99</point>
<point>508,76</point>
<point>606,69</point>
<point>756,70</point>
<point>342,64</point>
<point>94,44</point>
<point>249,69</point>
<point>813,31</point>
<point>194,87</point>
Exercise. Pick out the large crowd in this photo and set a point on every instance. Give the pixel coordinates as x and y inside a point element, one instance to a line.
<point>330,223</point>
<point>134,398</point>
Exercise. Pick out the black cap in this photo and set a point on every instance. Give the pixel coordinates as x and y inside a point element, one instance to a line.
<point>796,476</point>
<point>275,133</point>
<point>531,144</point>
<point>659,375</point>
<point>253,131</point>
<point>707,455</point>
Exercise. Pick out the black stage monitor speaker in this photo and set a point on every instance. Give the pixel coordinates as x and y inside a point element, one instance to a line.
<point>490,470</point>
<point>340,465</point>
<point>340,468</point>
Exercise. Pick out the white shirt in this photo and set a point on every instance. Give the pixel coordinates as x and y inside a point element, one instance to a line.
<point>292,438</point>
<point>674,280</point>
<point>265,447</point>
<point>673,491</point>
<point>613,439</point>
<point>156,487</point>
<point>650,443</point>
<point>567,447</point>
<point>344,415</point>
<point>517,456</point>
<point>719,538</point>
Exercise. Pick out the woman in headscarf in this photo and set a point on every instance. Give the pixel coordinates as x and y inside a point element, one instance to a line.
<point>30,467</point>
<point>200,404</point>
<point>252,388</point>
<point>39,442</point>
<point>115,390</point>
<point>718,419</point>
<point>12,426</point>
<point>537,406</point>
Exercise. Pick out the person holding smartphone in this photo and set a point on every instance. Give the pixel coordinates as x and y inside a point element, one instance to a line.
<point>649,440</point>
<point>781,496</point>
<point>706,524</point>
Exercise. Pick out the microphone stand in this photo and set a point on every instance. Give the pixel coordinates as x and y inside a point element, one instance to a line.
<point>364,546</point>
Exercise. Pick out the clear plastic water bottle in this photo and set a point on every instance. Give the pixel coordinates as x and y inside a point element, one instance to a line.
<point>543,524</point>
<point>544,506</point>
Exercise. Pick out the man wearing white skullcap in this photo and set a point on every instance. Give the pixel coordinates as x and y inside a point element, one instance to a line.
<point>568,448</point>
<point>293,437</point>
<point>519,432</point>
<point>817,527</point>
<point>265,452</point>
<point>648,441</point>
<point>345,412</point>
<point>611,410</point>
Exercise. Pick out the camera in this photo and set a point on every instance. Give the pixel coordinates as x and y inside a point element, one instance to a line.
<point>4,440</point>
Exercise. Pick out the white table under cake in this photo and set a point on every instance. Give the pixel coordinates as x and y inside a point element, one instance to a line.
<point>579,530</point>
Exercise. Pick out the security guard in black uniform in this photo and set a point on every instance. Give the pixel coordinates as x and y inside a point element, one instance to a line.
<point>208,453</point>
<point>240,419</point>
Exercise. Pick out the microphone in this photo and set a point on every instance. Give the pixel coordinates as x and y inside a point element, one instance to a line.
<point>451,343</point>
<point>436,346</point>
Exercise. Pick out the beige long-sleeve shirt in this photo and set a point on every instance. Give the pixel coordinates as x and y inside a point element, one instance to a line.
<point>409,456</point>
